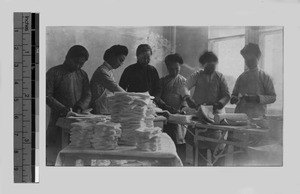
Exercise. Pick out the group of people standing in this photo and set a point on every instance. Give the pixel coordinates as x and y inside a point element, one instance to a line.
<point>68,86</point>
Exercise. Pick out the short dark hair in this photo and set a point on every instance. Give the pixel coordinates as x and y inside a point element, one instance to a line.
<point>251,48</point>
<point>143,48</point>
<point>77,51</point>
<point>115,50</point>
<point>173,58</point>
<point>208,56</point>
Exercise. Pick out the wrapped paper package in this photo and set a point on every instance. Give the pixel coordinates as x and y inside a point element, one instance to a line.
<point>105,136</point>
<point>180,119</point>
<point>232,118</point>
<point>148,139</point>
<point>81,134</point>
<point>133,111</point>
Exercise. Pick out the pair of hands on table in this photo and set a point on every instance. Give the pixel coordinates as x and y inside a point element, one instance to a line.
<point>74,112</point>
<point>246,97</point>
<point>167,114</point>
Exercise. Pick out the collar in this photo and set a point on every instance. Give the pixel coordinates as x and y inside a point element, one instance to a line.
<point>141,65</point>
<point>254,69</point>
<point>67,67</point>
<point>107,65</point>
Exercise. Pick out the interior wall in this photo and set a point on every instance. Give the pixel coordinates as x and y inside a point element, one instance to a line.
<point>190,43</point>
<point>98,39</point>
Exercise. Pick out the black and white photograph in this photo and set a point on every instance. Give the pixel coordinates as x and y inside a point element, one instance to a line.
<point>183,96</point>
<point>160,96</point>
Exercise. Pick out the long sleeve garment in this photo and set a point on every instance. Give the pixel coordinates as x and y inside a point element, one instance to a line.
<point>209,89</point>
<point>172,94</point>
<point>65,89</point>
<point>254,82</point>
<point>102,85</point>
<point>141,78</point>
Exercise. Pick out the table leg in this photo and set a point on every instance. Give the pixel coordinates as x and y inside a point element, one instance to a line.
<point>229,155</point>
<point>209,157</point>
<point>196,148</point>
<point>64,139</point>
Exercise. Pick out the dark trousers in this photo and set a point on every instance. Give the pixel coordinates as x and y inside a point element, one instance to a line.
<point>170,129</point>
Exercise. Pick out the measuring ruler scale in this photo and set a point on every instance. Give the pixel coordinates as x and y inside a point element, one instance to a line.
<point>26,96</point>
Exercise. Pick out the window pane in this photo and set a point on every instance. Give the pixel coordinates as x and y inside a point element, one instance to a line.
<point>224,31</point>
<point>269,28</point>
<point>231,63</point>
<point>272,56</point>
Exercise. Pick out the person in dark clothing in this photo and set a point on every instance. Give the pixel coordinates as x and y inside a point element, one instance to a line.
<point>67,86</point>
<point>141,77</point>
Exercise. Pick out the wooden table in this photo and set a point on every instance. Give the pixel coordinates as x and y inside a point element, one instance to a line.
<point>231,143</point>
<point>166,155</point>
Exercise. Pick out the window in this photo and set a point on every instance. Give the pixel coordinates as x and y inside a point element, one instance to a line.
<point>271,44</point>
<point>226,43</point>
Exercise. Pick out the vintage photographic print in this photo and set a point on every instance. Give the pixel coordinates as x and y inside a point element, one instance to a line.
<point>164,96</point>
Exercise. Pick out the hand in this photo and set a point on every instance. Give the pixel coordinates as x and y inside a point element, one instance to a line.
<point>217,106</point>
<point>251,98</point>
<point>77,109</point>
<point>234,100</point>
<point>182,112</point>
<point>63,112</point>
<point>164,114</point>
<point>172,110</point>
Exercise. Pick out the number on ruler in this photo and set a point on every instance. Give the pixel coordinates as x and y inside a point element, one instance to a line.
<point>16,65</point>
<point>26,95</point>
<point>16,117</point>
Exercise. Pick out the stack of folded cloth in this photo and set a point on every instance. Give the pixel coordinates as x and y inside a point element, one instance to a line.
<point>81,134</point>
<point>133,111</point>
<point>105,136</point>
<point>148,139</point>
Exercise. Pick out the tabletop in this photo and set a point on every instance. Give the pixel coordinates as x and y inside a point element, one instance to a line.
<point>167,151</point>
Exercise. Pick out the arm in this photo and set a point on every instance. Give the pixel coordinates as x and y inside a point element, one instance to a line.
<point>156,86</point>
<point>225,95</point>
<point>160,103</point>
<point>269,96</point>
<point>51,77</point>
<point>189,84</point>
<point>86,95</point>
<point>124,80</point>
<point>109,83</point>
<point>235,92</point>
